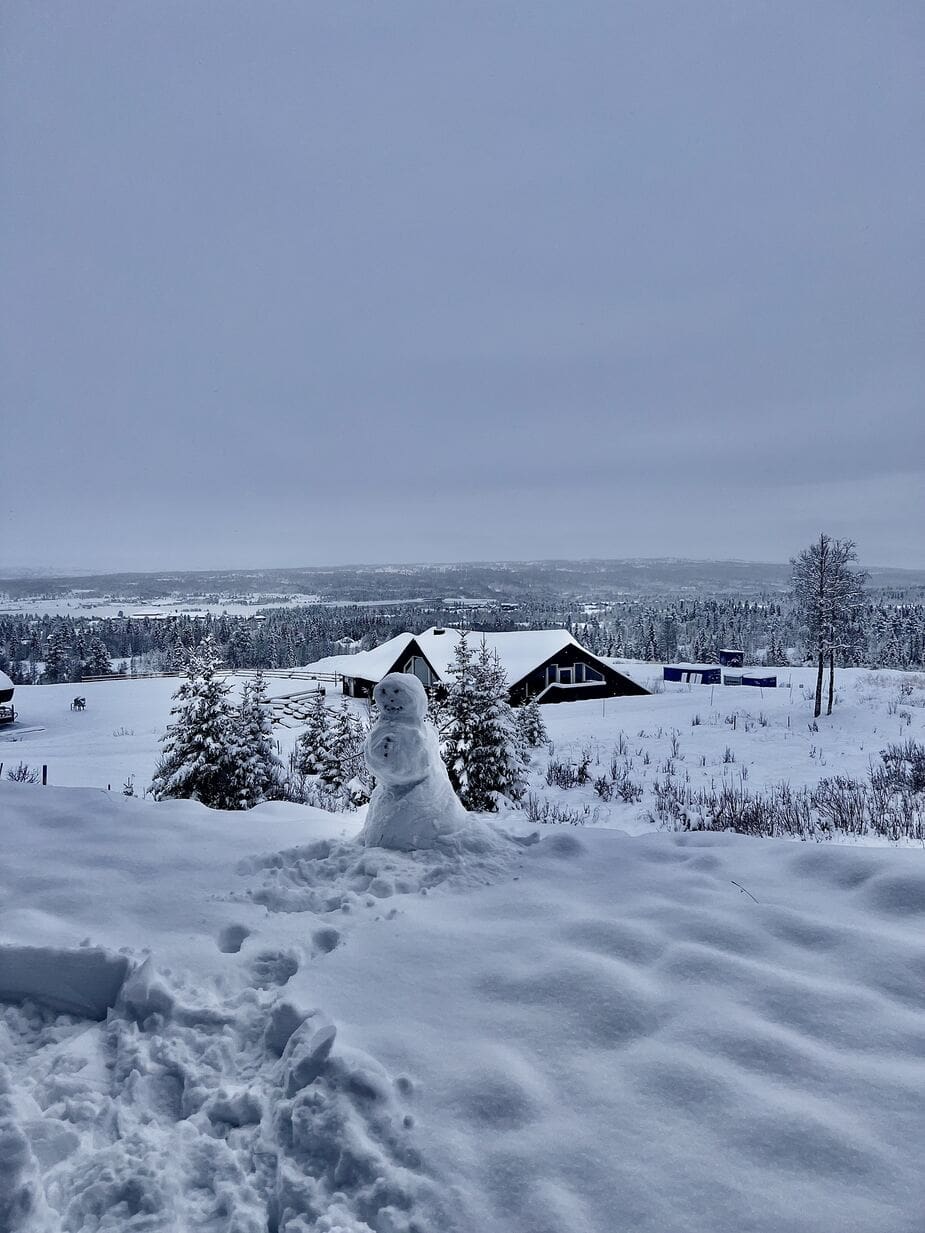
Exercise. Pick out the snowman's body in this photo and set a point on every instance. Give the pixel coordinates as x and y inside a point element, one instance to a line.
<point>413,803</point>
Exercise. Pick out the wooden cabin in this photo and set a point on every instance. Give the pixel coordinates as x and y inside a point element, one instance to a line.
<point>546,664</point>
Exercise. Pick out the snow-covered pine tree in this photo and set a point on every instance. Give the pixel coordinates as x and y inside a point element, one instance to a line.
<point>56,655</point>
<point>530,726</point>
<point>343,756</point>
<point>258,769</point>
<point>97,662</point>
<point>199,760</point>
<point>457,718</point>
<point>482,750</point>
<point>311,747</point>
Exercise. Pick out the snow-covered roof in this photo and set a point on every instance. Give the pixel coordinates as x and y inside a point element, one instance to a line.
<point>520,652</point>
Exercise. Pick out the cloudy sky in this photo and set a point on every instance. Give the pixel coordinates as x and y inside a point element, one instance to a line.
<point>305,282</point>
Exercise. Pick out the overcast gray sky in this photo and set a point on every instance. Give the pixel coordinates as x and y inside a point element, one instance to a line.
<point>300,282</point>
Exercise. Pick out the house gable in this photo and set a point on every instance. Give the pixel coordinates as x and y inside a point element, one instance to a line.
<point>573,673</point>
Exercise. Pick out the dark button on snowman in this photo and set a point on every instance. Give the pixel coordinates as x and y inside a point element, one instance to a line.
<point>413,803</point>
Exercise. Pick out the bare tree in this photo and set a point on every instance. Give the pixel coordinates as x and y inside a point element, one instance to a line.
<point>825,589</point>
<point>847,592</point>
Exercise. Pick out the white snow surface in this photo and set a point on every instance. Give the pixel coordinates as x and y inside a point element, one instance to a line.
<point>571,1032</point>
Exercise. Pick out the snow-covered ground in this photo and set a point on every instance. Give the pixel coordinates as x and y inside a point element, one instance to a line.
<point>731,733</point>
<point>589,1033</point>
<point>245,1021</point>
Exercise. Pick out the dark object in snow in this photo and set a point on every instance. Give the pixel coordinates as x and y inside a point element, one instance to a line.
<point>692,674</point>
<point>731,659</point>
<point>79,704</point>
<point>759,682</point>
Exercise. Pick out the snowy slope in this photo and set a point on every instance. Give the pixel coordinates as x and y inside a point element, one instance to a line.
<point>589,1033</point>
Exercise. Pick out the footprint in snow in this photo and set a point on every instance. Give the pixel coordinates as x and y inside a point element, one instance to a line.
<point>273,967</point>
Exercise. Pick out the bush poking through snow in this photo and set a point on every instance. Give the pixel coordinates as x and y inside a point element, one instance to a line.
<point>551,813</point>
<point>23,773</point>
<point>888,804</point>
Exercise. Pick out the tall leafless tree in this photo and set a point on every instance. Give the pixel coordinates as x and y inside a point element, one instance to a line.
<point>826,589</point>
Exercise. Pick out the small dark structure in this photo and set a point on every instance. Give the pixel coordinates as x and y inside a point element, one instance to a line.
<point>731,659</point>
<point>759,681</point>
<point>79,704</point>
<point>7,710</point>
<point>547,665</point>
<point>691,674</point>
<point>732,678</point>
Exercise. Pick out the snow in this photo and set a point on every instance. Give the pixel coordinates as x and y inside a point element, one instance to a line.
<point>567,1030</point>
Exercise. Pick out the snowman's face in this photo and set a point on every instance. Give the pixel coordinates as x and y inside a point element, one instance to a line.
<point>401,696</point>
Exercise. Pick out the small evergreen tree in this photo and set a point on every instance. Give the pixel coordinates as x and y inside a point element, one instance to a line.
<point>311,748</point>
<point>530,726</point>
<point>258,769</point>
<point>201,746</point>
<point>343,755</point>
<point>483,753</point>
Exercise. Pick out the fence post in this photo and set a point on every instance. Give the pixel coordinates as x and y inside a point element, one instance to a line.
<point>44,774</point>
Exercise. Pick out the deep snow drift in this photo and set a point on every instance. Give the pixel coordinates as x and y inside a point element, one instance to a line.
<point>584,1033</point>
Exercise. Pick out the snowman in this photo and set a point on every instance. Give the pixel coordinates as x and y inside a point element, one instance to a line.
<point>413,803</point>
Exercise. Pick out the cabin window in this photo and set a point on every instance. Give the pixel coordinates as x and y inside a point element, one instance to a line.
<point>552,674</point>
<point>579,674</point>
<point>591,674</point>
<point>417,666</point>
<point>565,676</point>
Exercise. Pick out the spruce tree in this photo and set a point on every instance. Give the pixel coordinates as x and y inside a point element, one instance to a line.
<point>258,769</point>
<point>483,753</point>
<point>311,748</point>
<point>201,745</point>
<point>530,725</point>
<point>343,756</point>
<point>56,656</point>
<point>97,662</point>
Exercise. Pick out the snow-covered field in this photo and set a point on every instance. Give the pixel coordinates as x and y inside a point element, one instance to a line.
<point>732,733</point>
<point>217,1021</point>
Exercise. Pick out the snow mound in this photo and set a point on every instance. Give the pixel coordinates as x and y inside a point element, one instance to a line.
<point>83,981</point>
<point>343,875</point>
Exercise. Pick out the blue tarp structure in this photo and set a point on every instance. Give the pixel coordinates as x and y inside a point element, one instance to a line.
<point>692,674</point>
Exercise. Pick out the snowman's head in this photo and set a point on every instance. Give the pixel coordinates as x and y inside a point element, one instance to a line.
<point>401,696</point>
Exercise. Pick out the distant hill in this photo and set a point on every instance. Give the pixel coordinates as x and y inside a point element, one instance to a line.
<point>496,580</point>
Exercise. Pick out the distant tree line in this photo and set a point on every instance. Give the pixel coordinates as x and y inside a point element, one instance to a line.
<point>882,628</point>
